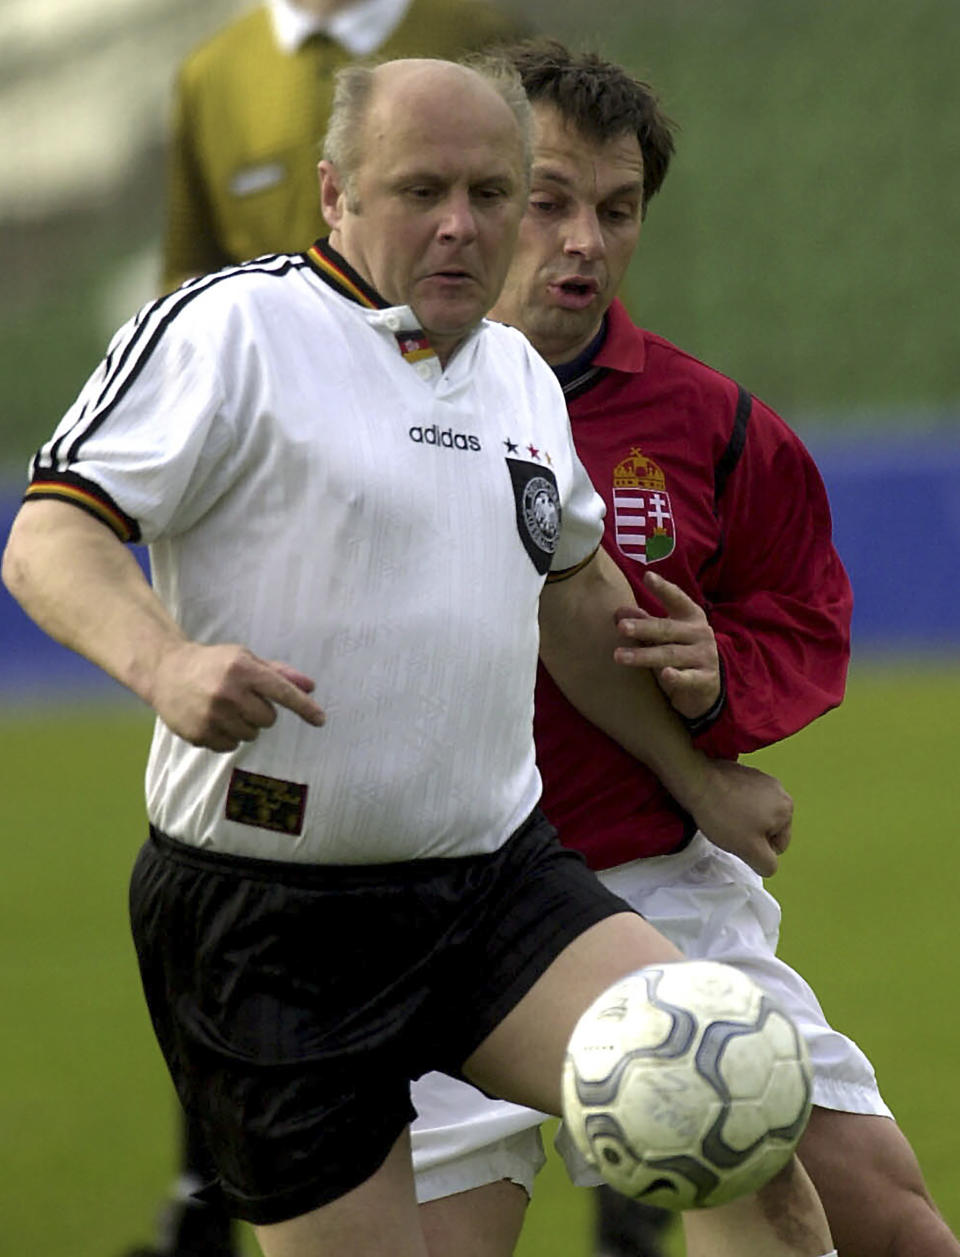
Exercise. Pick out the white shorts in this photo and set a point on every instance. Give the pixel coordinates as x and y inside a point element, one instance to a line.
<point>711,906</point>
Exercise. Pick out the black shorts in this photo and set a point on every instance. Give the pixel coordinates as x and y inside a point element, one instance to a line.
<point>294,1003</point>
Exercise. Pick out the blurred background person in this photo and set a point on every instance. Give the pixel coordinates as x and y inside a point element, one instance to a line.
<point>251,106</point>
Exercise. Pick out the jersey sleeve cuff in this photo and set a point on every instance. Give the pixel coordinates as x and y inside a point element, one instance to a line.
<point>567,572</point>
<point>67,486</point>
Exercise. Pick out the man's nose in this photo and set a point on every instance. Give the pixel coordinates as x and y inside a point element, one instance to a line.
<point>584,237</point>
<point>458,221</point>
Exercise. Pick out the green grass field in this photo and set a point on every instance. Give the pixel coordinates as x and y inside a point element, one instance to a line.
<point>86,1117</point>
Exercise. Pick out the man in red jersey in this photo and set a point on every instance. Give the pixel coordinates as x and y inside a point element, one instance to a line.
<point>719,519</point>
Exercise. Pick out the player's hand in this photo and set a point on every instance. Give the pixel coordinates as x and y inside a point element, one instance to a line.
<point>679,647</point>
<point>220,696</point>
<point>747,812</point>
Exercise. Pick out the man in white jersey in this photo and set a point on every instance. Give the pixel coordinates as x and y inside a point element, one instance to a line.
<point>338,463</point>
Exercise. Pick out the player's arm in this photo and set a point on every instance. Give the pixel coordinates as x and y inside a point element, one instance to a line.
<point>777,601</point>
<point>737,808</point>
<point>84,588</point>
<point>679,647</point>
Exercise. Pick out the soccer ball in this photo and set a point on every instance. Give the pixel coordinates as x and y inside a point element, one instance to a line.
<point>685,1085</point>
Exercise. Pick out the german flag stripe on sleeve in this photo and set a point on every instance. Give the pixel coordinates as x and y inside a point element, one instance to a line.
<point>65,487</point>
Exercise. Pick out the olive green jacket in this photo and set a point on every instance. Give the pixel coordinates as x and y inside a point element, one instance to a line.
<point>248,121</point>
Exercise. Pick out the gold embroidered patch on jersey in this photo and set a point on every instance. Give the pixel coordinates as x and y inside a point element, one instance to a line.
<point>266,802</point>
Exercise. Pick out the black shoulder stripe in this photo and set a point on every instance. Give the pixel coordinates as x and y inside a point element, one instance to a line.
<point>731,455</point>
<point>726,464</point>
<point>184,296</point>
<point>112,369</point>
<point>145,333</point>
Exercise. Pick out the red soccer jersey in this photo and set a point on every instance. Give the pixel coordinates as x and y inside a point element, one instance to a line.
<point>715,492</point>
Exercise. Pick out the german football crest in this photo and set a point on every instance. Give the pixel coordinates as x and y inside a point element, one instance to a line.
<point>538,510</point>
<point>642,515</point>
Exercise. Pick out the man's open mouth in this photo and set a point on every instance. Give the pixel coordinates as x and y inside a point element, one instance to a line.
<point>578,287</point>
<point>575,292</point>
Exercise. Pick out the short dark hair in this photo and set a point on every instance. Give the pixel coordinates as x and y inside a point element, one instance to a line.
<point>599,98</point>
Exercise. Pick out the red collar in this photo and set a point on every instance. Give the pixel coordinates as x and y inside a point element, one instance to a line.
<point>625,346</point>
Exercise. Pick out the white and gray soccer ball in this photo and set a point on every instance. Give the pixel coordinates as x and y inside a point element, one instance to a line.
<point>685,1085</point>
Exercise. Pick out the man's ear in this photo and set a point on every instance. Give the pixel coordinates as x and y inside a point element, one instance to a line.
<point>332,194</point>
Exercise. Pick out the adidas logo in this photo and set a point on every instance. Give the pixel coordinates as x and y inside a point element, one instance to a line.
<point>445,437</point>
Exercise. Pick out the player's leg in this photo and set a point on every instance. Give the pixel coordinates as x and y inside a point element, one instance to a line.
<point>522,1060</point>
<point>628,1228</point>
<point>870,1185</point>
<point>475,1161</point>
<point>872,1188</point>
<point>492,1214</point>
<point>482,1222</point>
<point>304,1111</point>
<point>377,1219</point>
<point>784,1219</point>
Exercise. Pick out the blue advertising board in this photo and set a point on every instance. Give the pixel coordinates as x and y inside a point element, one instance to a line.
<point>896,523</point>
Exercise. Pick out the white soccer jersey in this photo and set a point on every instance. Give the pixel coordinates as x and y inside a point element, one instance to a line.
<point>313,486</point>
